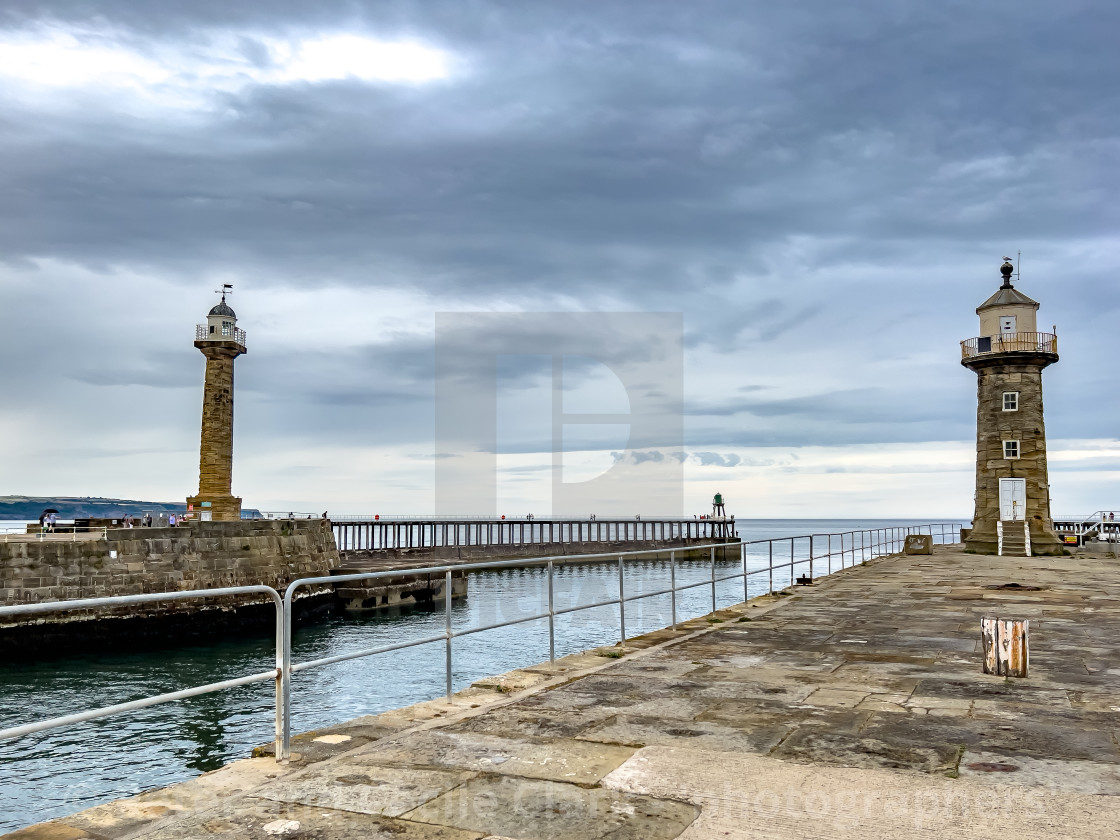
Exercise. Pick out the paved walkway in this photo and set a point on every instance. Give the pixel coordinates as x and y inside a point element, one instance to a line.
<point>854,708</point>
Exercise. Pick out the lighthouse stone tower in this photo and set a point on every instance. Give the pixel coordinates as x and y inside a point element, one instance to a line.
<point>1012,486</point>
<point>221,342</point>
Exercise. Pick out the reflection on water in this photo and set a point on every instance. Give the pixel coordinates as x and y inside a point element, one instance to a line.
<point>57,772</point>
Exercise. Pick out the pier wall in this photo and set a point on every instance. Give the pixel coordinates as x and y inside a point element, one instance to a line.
<point>133,561</point>
<point>360,558</point>
<point>420,588</point>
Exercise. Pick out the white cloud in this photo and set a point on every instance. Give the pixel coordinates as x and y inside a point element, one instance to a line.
<point>355,56</point>
<point>187,74</point>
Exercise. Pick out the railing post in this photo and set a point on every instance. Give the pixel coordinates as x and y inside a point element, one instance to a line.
<point>791,560</point>
<point>712,553</point>
<point>280,708</point>
<point>447,614</point>
<point>810,557</point>
<point>830,554</point>
<point>743,560</point>
<point>621,600</point>
<point>284,748</point>
<point>770,546</point>
<point>673,586</point>
<point>551,618</point>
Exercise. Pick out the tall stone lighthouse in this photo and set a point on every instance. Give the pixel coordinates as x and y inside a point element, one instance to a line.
<point>221,342</point>
<point>1012,488</point>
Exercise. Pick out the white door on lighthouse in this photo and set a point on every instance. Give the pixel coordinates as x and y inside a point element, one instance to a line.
<point>1012,499</point>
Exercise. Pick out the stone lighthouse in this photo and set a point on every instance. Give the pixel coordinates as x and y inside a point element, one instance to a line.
<point>1012,488</point>
<point>221,342</point>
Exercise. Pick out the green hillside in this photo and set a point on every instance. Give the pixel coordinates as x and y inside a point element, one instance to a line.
<point>84,507</point>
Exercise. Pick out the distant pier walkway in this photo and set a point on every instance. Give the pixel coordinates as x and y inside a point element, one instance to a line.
<point>852,708</point>
<point>370,534</point>
<point>376,545</point>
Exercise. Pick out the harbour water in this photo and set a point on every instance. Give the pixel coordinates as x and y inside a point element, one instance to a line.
<point>57,772</point>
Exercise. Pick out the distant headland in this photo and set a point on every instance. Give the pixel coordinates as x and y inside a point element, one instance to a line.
<point>85,507</point>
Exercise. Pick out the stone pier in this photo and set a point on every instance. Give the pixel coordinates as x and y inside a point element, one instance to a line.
<point>855,708</point>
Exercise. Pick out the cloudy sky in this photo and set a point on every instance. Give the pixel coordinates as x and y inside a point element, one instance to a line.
<point>823,190</point>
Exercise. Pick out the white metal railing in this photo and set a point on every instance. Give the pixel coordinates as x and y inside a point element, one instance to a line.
<point>60,533</point>
<point>202,333</point>
<point>848,548</point>
<point>1103,523</point>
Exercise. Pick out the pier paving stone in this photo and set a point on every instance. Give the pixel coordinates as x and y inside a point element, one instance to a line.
<point>358,783</point>
<point>560,759</point>
<point>642,731</point>
<point>852,708</point>
<point>533,809</point>
<point>263,819</point>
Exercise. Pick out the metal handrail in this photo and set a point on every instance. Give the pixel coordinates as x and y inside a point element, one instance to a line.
<point>872,543</point>
<point>125,600</point>
<point>1017,342</point>
<point>1097,521</point>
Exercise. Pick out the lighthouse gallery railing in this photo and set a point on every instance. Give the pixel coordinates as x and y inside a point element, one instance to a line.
<point>1018,342</point>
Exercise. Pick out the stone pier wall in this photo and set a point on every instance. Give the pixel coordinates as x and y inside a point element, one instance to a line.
<point>375,559</point>
<point>204,555</point>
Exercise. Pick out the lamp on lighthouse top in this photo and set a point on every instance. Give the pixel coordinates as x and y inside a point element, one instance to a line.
<point>221,322</point>
<point>1008,311</point>
<point>1008,324</point>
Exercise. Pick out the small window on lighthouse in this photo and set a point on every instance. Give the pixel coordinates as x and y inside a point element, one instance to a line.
<point>227,328</point>
<point>1011,449</point>
<point>1010,400</point>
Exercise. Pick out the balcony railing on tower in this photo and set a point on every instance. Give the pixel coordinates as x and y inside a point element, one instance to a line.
<point>202,333</point>
<point>1018,342</point>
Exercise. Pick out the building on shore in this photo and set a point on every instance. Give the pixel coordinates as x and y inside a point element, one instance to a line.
<point>221,342</point>
<point>1012,485</point>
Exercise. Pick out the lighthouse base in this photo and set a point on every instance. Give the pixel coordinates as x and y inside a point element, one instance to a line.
<point>215,508</point>
<point>984,539</point>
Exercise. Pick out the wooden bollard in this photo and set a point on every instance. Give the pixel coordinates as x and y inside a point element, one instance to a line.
<point>1006,646</point>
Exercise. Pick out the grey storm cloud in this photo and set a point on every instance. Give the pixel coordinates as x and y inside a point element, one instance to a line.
<point>642,148</point>
<point>824,189</point>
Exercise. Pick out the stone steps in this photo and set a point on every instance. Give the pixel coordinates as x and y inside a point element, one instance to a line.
<point>1014,539</point>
